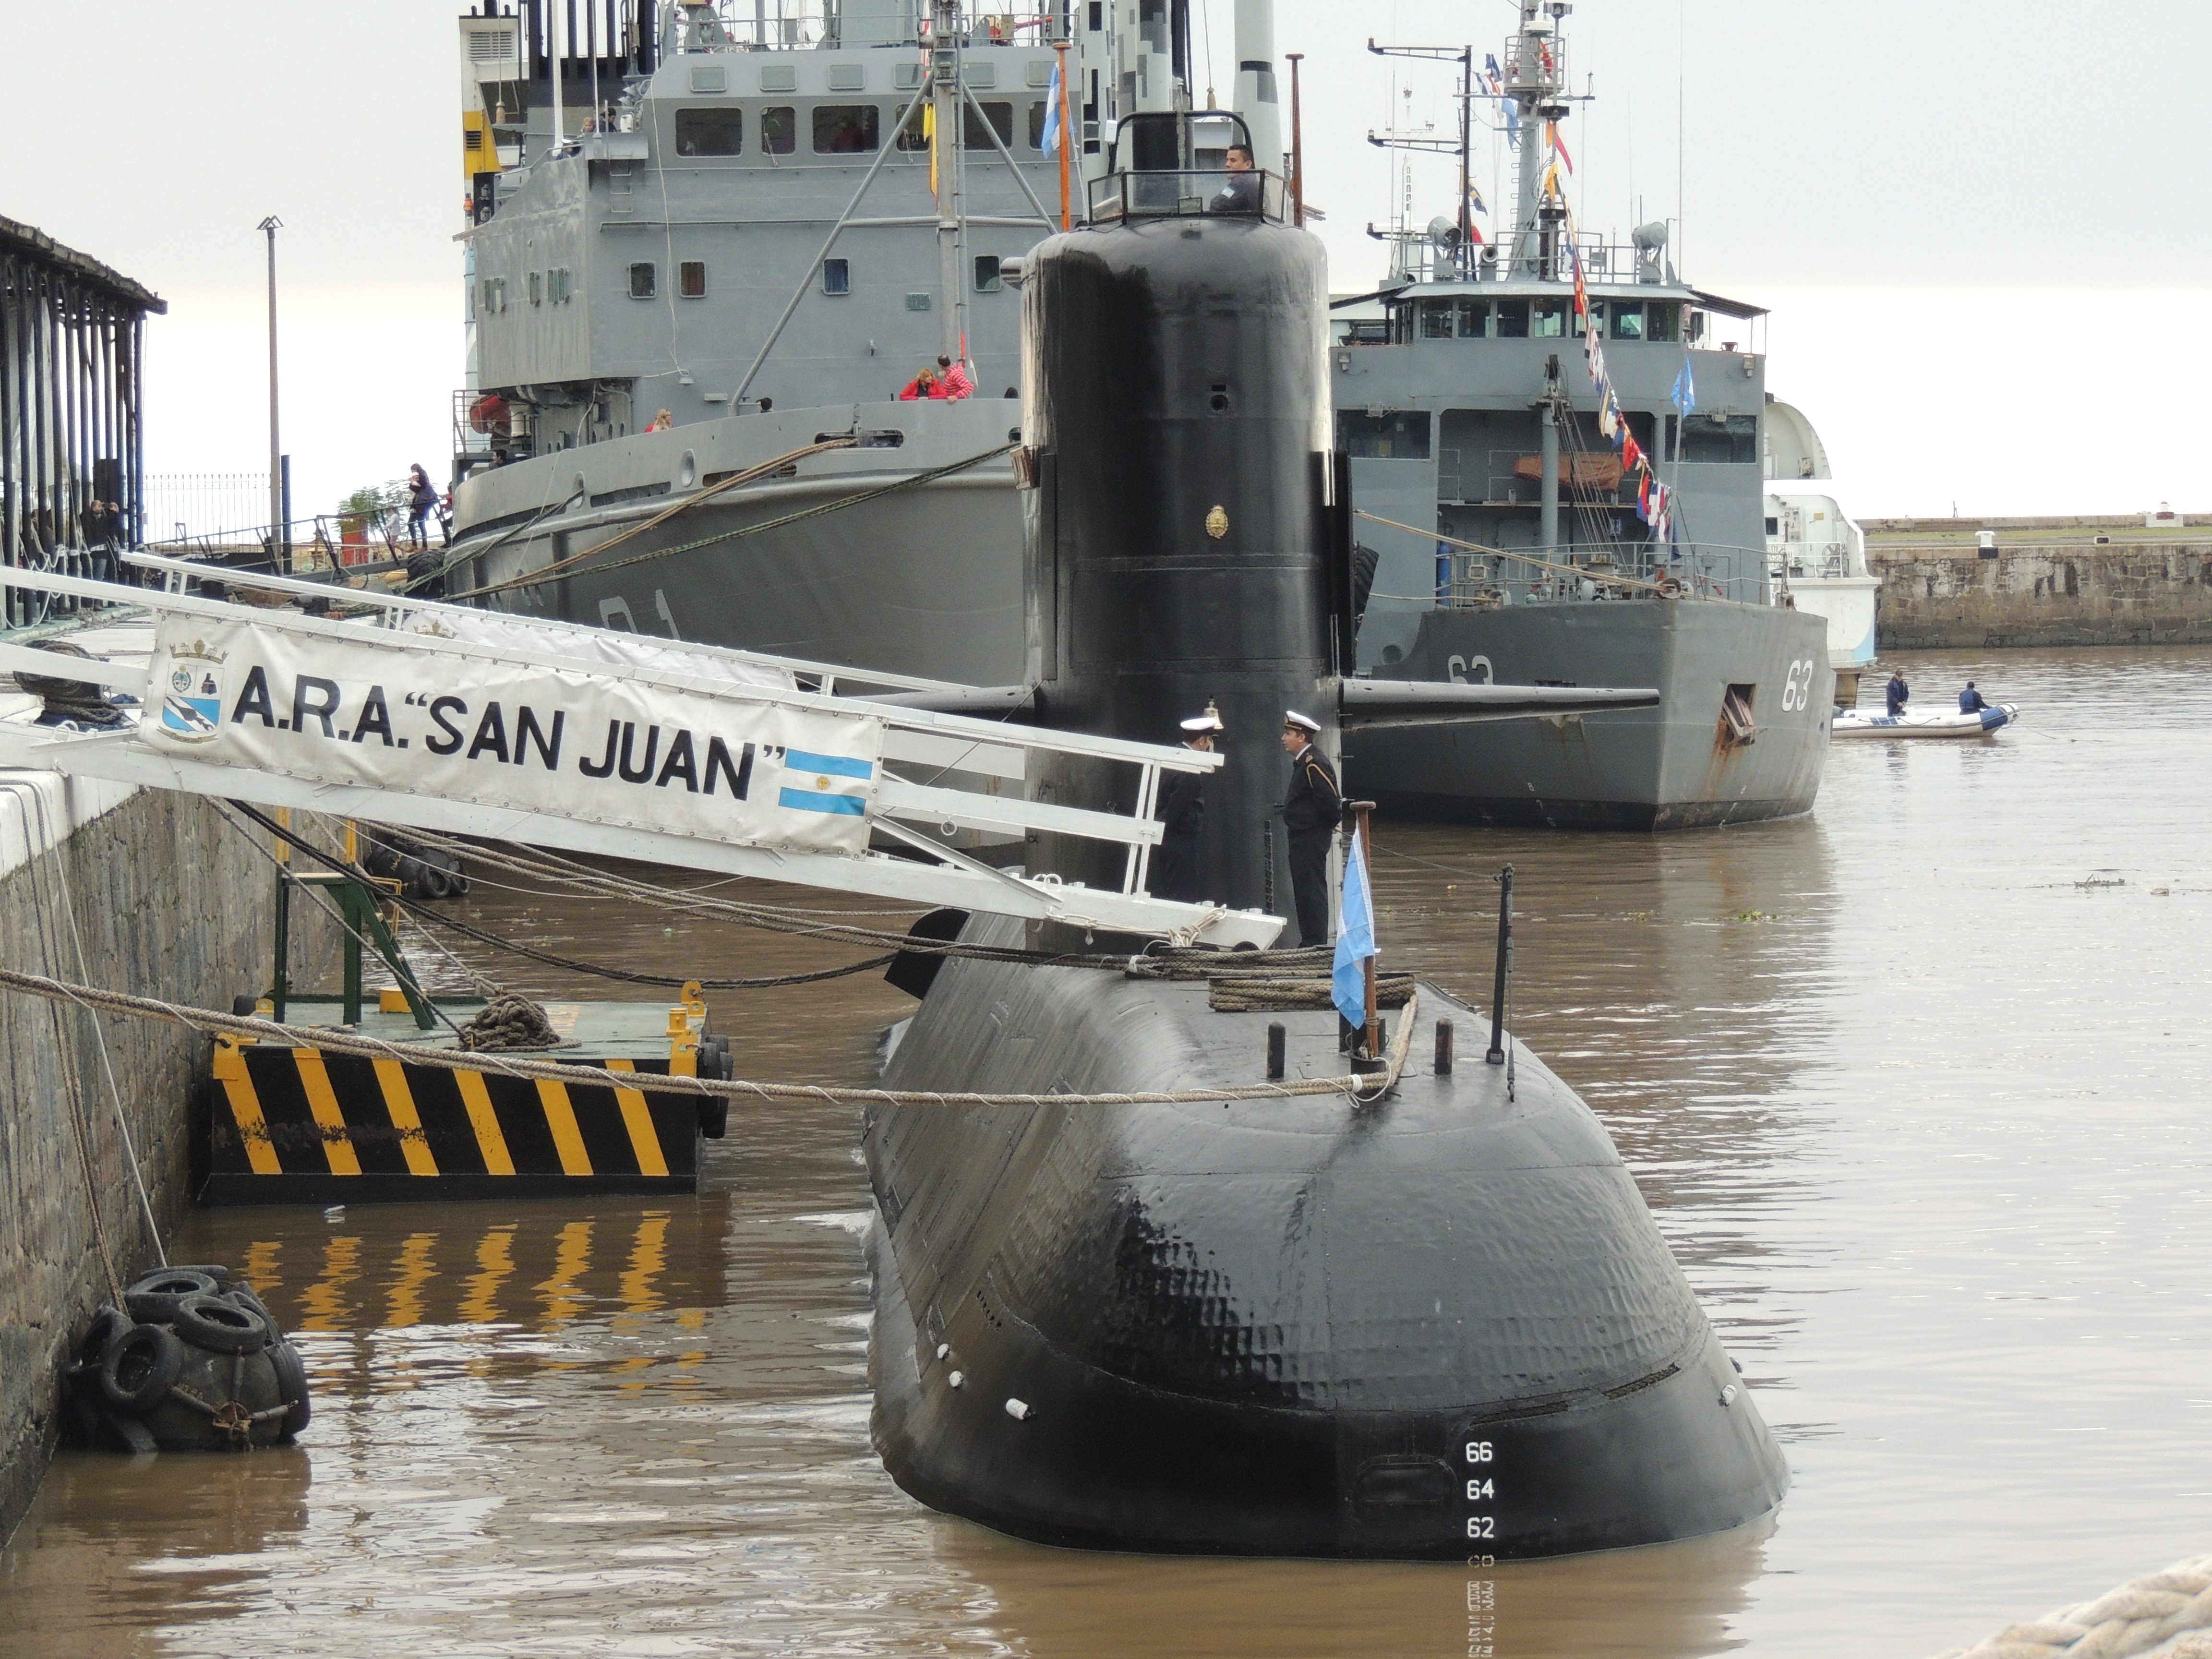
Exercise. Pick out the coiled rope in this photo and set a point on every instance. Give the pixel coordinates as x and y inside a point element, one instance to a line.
<point>2167,1615</point>
<point>1251,994</point>
<point>1360,1089</point>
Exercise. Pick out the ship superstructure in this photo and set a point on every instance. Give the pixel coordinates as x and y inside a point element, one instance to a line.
<point>1815,555</point>
<point>708,248</point>
<point>1557,460</point>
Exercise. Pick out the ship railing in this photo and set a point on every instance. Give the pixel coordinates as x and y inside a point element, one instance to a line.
<point>1536,62</point>
<point>1795,561</point>
<point>1479,580</point>
<point>1204,192</point>
<point>1507,477</point>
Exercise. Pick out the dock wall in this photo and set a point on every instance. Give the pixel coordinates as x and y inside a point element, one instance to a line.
<point>169,901</point>
<point>2133,586</point>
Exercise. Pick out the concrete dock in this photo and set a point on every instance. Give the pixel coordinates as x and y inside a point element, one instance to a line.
<point>2112,580</point>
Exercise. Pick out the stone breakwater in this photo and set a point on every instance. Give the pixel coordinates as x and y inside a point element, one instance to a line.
<point>2073,582</point>
<point>170,901</point>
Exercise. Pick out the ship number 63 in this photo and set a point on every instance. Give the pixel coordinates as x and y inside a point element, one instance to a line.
<point>1797,688</point>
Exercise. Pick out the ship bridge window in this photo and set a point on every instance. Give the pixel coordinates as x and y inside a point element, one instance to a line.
<point>1436,319</point>
<point>1002,123</point>
<point>836,276</point>
<point>1512,319</point>
<point>1732,439</point>
<point>715,129</point>
<point>691,279</point>
<point>1390,434</point>
<point>1037,126</point>
<point>1663,320</point>
<point>1548,319</point>
<point>1473,318</point>
<point>643,278</point>
<point>779,130</point>
<point>1627,319</point>
<point>911,136</point>
<point>845,128</point>
<point>988,279</point>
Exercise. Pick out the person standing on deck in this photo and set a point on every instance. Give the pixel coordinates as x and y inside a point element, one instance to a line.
<point>1183,815</point>
<point>1896,692</point>
<point>953,378</point>
<point>422,502</point>
<point>1312,811</point>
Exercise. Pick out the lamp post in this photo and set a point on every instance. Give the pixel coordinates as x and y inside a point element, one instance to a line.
<point>277,527</point>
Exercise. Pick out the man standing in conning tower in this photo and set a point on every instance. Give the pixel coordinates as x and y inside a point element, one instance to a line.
<point>1312,811</point>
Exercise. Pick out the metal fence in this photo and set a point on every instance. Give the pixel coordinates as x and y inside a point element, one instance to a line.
<point>218,507</point>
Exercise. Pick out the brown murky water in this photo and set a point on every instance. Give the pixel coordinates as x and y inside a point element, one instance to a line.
<point>1922,1113</point>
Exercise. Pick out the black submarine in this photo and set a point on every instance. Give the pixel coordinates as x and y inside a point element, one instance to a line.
<point>1440,1326</point>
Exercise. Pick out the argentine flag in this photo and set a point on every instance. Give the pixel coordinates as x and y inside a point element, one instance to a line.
<point>1052,114</point>
<point>1685,395</point>
<point>1355,941</point>
<point>824,783</point>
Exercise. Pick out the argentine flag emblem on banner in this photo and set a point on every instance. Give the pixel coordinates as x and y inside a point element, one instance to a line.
<point>1355,941</point>
<point>824,783</point>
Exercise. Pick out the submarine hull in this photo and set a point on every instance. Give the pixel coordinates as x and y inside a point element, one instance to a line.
<point>1441,1327</point>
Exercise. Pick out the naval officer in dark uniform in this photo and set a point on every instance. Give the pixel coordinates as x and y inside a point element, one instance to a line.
<point>1183,815</point>
<point>1312,811</point>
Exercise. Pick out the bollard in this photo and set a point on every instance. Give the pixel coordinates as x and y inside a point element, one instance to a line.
<point>1443,1047</point>
<point>1274,1051</point>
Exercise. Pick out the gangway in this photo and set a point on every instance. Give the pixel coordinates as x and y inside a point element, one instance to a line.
<point>440,717</point>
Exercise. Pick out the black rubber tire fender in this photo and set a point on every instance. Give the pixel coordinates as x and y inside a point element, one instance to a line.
<point>434,883</point>
<point>153,1300</point>
<point>140,1365</point>
<point>291,1386</point>
<point>242,1293</point>
<point>221,1325</point>
<point>214,1270</point>
<point>106,1326</point>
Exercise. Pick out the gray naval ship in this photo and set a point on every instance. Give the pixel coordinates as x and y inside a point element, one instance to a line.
<point>1463,397</point>
<point>748,227</point>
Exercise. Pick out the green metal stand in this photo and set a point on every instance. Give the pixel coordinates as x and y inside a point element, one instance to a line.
<point>357,904</point>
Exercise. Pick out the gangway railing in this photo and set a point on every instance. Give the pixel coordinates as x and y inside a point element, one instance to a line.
<point>695,757</point>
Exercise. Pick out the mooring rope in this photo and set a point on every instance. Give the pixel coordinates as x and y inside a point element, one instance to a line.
<point>334,1040</point>
<point>775,920</point>
<point>2167,1615</point>
<point>910,481</point>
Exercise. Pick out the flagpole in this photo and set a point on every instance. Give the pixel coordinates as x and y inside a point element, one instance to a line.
<point>1067,129</point>
<point>1372,1031</point>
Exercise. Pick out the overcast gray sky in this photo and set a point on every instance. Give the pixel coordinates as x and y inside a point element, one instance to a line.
<point>1978,220</point>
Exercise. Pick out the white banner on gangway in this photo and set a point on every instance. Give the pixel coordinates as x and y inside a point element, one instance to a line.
<point>373,712</point>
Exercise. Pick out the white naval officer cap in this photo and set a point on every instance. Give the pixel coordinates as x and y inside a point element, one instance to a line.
<point>1209,721</point>
<point>1303,722</point>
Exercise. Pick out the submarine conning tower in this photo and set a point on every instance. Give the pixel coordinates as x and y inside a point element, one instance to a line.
<point>1185,542</point>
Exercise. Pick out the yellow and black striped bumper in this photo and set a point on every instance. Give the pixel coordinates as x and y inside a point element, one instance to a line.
<point>299,1125</point>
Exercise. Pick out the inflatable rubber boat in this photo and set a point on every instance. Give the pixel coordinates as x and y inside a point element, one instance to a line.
<point>1864,723</point>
